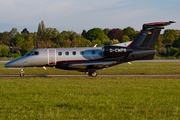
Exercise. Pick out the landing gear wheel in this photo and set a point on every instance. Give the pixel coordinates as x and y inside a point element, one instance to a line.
<point>92,73</point>
<point>22,73</point>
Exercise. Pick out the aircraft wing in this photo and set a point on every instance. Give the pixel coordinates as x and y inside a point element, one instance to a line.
<point>95,64</point>
<point>124,44</point>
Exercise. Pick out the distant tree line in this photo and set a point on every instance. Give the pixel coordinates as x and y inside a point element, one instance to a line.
<point>168,44</point>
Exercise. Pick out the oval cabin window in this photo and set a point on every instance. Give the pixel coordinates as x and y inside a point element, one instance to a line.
<point>82,52</point>
<point>67,53</point>
<point>74,53</point>
<point>59,53</point>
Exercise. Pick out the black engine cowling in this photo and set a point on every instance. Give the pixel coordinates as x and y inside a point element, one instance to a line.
<point>116,51</point>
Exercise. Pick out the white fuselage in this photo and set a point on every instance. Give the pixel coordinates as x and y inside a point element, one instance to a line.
<point>50,56</point>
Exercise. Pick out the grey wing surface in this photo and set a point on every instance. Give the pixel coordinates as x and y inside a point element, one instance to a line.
<point>92,64</point>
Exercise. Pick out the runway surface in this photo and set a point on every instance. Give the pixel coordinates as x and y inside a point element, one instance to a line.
<point>157,61</point>
<point>62,76</point>
<point>5,61</point>
<point>49,76</point>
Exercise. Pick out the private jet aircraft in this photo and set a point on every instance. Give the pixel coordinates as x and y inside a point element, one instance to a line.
<point>90,59</point>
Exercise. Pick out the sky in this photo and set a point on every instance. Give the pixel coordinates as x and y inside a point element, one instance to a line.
<point>78,15</point>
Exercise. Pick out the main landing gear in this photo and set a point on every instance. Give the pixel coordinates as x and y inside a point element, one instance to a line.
<point>22,73</point>
<point>92,73</point>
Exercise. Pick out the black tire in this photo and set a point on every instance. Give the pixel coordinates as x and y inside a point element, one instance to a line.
<point>92,73</point>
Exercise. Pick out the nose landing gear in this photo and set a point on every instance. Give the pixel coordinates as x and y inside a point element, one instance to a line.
<point>22,73</point>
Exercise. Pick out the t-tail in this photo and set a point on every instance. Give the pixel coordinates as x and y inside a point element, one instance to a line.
<point>149,34</point>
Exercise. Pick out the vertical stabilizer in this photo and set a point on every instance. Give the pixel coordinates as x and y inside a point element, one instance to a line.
<point>149,34</point>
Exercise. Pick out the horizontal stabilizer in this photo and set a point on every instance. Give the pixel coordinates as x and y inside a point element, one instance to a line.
<point>161,25</point>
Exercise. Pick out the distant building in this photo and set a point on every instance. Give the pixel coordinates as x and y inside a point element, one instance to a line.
<point>14,49</point>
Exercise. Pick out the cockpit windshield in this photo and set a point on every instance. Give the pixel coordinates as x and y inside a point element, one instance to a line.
<point>28,54</point>
<point>32,53</point>
<point>35,53</point>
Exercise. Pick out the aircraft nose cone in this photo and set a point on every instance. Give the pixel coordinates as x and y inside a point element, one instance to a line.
<point>8,64</point>
<point>12,63</point>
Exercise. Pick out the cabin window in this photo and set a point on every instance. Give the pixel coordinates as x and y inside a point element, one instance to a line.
<point>59,53</point>
<point>35,53</point>
<point>82,52</point>
<point>74,53</point>
<point>93,52</point>
<point>66,53</point>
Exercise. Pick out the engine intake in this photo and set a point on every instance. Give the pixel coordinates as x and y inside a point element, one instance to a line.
<point>115,51</point>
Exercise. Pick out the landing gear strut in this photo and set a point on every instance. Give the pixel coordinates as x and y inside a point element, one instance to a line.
<point>92,73</point>
<point>22,73</point>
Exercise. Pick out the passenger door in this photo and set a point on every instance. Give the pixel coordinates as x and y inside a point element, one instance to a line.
<point>51,56</point>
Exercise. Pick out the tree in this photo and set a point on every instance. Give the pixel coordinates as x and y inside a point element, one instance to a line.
<point>41,28</point>
<point>98,42</point>
<point>18,41</point>
<point>116,34</point>
<point>107,42</point>
<point>130,32</point>
<point>106,31</point>
<point>84,42</point>
<point>13,33</point>
<point>59,39</point>
<point>66,43</point>
<point>173,51</point>
<point>1,35</point>
<point>51,34</point>
<point>83,33</point>
<point>4,51</point>
<point>170,36</point>
<point>115,41</point>
<point>72,35</point>
<point>176,43</point>
<point>16,55</point>
<point>159,47</point>
<point>50,44</point>
<point>125,38</point>
<point>36,39</point>
<point>28,45</point>
<point>95,34</point>
<point>25,32</point>
<point>5,39</point>
<point>69,35</point>
<point>75,43</point>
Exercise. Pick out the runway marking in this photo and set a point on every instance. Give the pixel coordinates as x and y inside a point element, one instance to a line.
<point>56,76</point>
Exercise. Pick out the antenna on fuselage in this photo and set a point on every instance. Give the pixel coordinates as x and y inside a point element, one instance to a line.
<point>95,45</point>
<point>44,67</point>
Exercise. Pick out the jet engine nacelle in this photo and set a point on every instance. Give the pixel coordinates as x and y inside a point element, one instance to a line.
<point>115,51</point>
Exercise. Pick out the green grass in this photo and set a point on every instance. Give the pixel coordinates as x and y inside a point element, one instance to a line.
<point>134,68</point>
<point>90,98</point>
